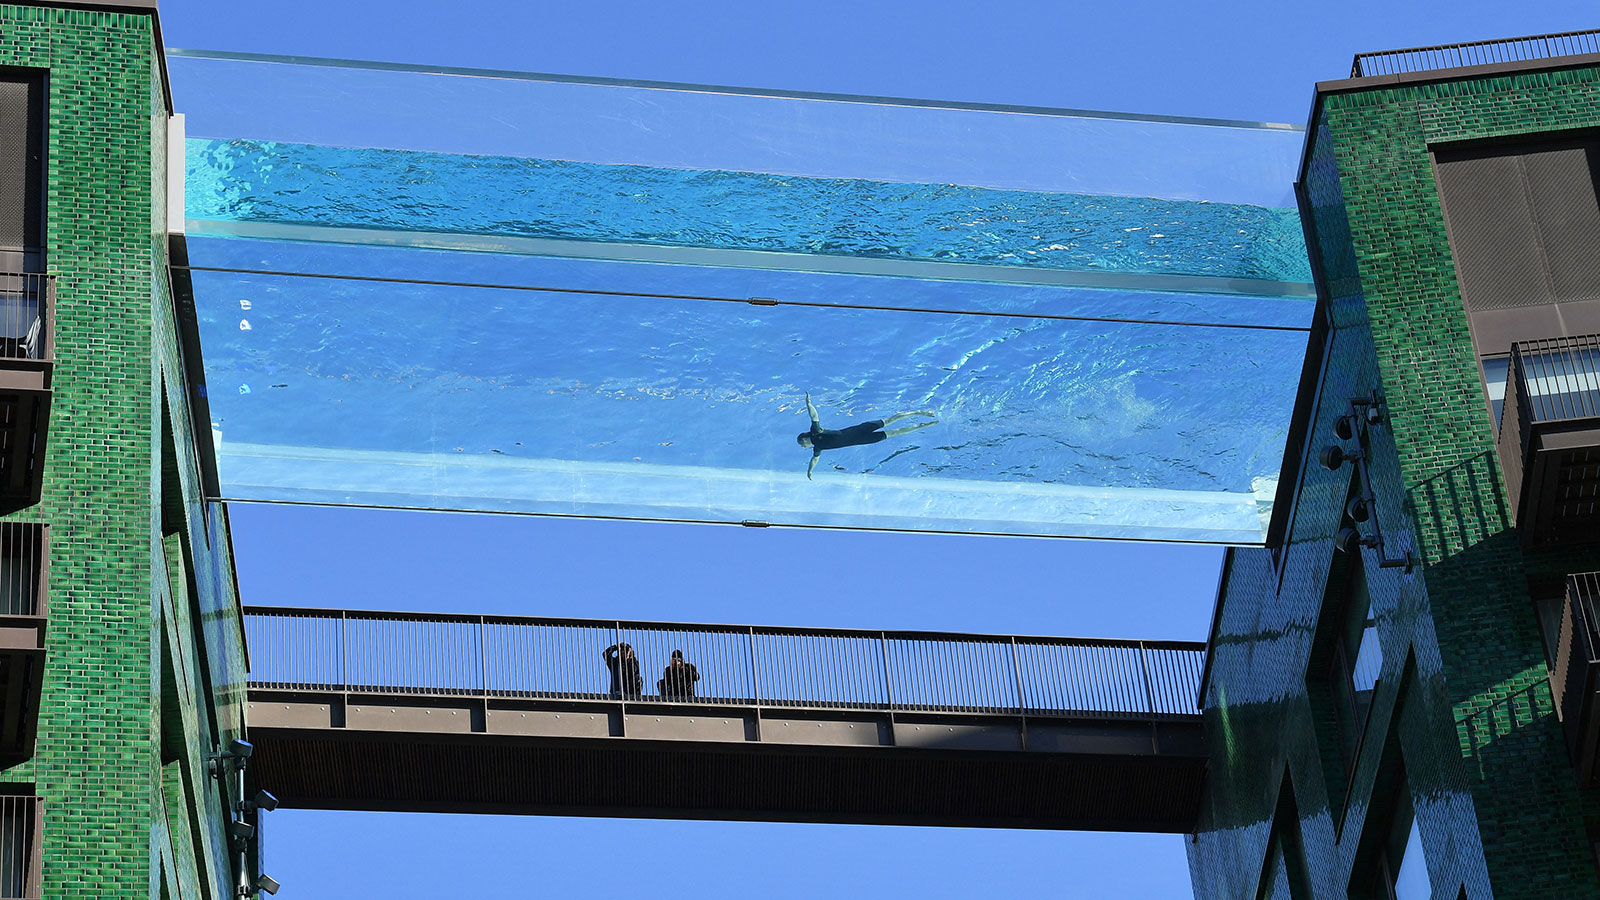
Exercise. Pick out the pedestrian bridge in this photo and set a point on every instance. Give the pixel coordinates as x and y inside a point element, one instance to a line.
<point>496,714</point>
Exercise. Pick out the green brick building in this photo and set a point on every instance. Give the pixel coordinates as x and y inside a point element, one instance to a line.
<point>1398,687</point>
<point>1380,707</point>
<point>124,662</point>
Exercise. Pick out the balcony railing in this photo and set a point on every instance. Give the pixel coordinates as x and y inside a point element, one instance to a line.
<point>27,361</point>
<point>1549,439</point>
<point>1573,675</point>
<point>561,659</point>
<point>24,612</point>
<point>21,847</point>
<point>27,309</point>
<point>1475,53</point>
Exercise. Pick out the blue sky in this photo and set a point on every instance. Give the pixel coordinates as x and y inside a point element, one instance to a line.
<point>1249,60</point>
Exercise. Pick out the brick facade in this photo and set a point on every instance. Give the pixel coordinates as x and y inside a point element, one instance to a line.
<point>120,757</point>
<point>1463,697</point>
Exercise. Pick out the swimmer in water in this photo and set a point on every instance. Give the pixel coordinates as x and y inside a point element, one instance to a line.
<point>820,439</point>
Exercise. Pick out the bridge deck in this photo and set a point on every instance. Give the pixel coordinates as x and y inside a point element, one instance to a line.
<point>390,711</point>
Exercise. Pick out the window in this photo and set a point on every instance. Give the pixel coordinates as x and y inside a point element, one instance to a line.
<point>1283,875</point>
<point>22,171</point>
<point>1523,222</point>
<point>1356,660</point>
<point>1346,659</point>
<point>21,559</point>
<point>1402,868</point>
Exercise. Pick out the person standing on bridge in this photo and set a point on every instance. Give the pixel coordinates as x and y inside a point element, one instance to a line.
<point>819,439</point>
<point>677,682</point>
<point>626,682</point>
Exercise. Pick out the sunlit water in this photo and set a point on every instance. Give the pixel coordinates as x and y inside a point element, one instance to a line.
<point>701,391</point>
<point>260,181</point>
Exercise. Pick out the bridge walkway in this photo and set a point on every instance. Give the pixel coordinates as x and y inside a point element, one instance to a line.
<point>495,714</point>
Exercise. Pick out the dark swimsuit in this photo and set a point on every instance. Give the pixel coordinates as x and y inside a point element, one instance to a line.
<point>854,436</point>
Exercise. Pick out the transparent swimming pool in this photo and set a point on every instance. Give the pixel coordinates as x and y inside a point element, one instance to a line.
<point>478,315</point>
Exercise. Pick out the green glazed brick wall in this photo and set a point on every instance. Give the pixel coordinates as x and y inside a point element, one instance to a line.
<point>117,594</point>
<point>1260,720</point>
<point>1530,812</point>
<point>1498,808</point>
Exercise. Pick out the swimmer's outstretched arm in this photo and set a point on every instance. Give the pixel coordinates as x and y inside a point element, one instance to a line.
<point>811,465</point>
<point>907,429</point>
<point>816,423</point>
<point>906,415</point>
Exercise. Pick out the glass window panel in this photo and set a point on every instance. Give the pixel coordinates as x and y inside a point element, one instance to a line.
<point>1411,881</point>
<point>1495,372</point>
<point>1369,660</point>
<point>1565,385</point>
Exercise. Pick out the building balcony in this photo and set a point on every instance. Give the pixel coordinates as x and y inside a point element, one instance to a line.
<point>27,361</point>
<point>1550,439</point>
<point>24,612</point>
<point>21,847</point>
<point>1575,674</point>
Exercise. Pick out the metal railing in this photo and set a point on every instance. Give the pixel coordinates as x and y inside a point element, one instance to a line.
<point>21,847</point>
<point>27,310</point>
<point>1475,53</point>
<point>562,659</point>
<point>23,561</point>
<point>1575,652</point>
<point>1549,380</point>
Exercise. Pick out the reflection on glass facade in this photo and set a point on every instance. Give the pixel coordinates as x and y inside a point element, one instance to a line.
<point>624,316</point>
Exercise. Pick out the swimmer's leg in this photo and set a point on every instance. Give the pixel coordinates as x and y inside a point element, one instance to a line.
<point>906,429</point>
<point>906,415</point>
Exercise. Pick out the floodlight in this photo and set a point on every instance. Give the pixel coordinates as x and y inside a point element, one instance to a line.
<point>267,883</point>
<point>1347,539</point>
<point>1344,427</point>
<point>240,748</point>
<point>1332,457</point>
<point>1359,509</point>
<point>244,831</point>
<point>264,801</point>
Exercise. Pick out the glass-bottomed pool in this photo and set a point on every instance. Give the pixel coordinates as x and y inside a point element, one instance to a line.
<point>477,322</point>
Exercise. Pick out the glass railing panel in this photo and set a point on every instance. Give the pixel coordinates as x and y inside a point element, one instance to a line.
<point>527,293</point>
<point>340,103</point>
<point>563,402</point>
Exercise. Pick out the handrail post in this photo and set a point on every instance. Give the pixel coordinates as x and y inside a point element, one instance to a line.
<point>888,685</point>
<point>483,654</point>
<point>755,680</point>
<point>755,677</point>
<point>1022,705</point>
<point>1149,691</point>
<point>344,649</point>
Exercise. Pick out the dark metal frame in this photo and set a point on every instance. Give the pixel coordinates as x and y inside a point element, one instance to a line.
<point>1542,435</point>
<point>1575,675</point>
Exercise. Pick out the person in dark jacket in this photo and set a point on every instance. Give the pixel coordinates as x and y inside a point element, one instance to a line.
<point>677,682</point>
<point>626,682</point>
<point>819,439</point>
